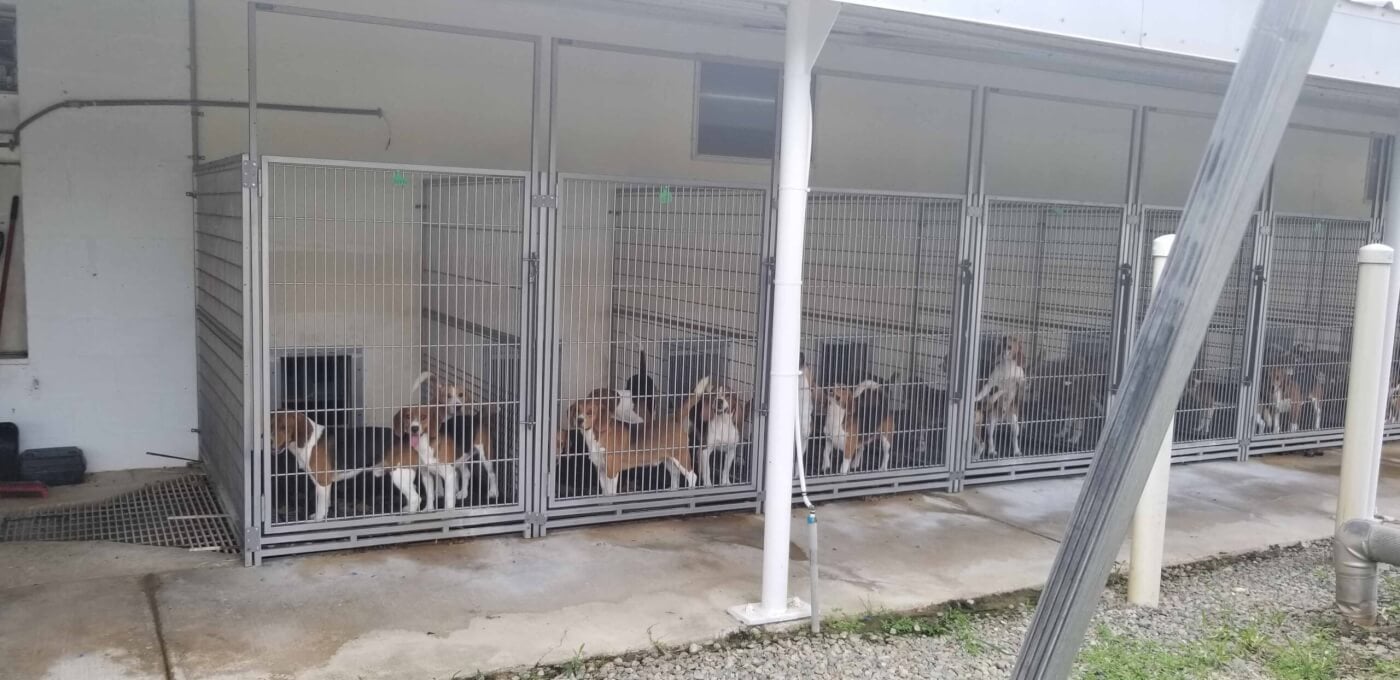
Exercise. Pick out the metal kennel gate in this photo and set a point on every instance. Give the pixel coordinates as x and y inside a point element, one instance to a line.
<point>879,284</point>
<point>374,273</point>
<point>1209,414</point>
<point>223,324</point>
<point>668,273</point>
<point>1305,337</point>
<point>1049,295</point>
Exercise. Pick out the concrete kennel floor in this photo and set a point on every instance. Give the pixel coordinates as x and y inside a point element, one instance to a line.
<point>432,611</point>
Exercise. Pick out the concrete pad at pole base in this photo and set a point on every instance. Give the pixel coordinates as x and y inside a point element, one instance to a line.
<point>752,614</point>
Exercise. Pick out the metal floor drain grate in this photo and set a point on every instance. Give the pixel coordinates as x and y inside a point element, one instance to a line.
<point>175,513</point>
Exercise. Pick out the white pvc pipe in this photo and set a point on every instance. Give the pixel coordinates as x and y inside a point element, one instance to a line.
<point>1365,387</point>
<point>1390,235</point>
<point>794,162</point>
<point>1150,519</point>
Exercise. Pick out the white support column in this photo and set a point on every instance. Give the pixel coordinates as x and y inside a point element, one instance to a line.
<point>1150,519</point>
<point>1361,447</point>
<point>808,24</point>
<point>1390,235</point>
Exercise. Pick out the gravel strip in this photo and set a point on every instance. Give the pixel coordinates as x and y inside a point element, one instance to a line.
<point>1264,616</point>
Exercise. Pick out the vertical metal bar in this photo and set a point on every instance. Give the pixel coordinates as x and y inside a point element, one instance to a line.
<point>921,221</point>
<point>195,114</point>
<point>1258,323</point>
<point>1129,254</point>
<point>1248,129</point>
<point>962,357</point>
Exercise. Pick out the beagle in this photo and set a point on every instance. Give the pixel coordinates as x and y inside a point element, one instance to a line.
<point>328,456</point>
<point>1280,393</point>
<point>1003,392</point>
<point>616,448</point>
<point>479,429</point>
<point>722,416</point>
<point>855,418</point>
<point>423,438</point>
<point>449,394</point>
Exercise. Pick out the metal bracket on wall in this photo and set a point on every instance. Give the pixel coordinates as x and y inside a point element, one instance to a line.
<point>250,175</point>
<point>532,267</point>
<point>544,201</point>
<point>974,211</point>
<point>535,519</point>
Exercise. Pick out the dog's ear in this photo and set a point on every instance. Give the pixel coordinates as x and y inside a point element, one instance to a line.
<point>400,417</point>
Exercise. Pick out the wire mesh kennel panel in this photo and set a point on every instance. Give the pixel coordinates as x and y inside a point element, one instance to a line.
<point>1207,414</point>
<point>656,294</point>
<point>1050,273</point>
<point>878,286</point>
<point>1307,329</point>
<point>378,275</point>
<point>222,362</point>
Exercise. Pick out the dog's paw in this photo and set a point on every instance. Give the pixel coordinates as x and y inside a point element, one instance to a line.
<point>703,385</point>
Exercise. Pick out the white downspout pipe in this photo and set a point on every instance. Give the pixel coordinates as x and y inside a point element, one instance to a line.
<point>1390,235</point>
<point>1361,444</point>
<point>1150,519</point>
<point>808,24</point>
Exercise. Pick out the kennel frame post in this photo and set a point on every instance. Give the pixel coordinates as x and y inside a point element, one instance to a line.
<point>967,303</point>
<point>1258,314</point>
<point>257,214</point>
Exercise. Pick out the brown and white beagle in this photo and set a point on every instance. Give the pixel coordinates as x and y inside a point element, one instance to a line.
<point>722,416</point>
<point>855,418</point>
<point>329,456</point>
<point>615,447</point>
<point>1001,396</point>
<point>423,438</point>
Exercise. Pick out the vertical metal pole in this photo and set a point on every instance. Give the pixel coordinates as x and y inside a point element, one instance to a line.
<point>195,154</point>
<point>1390,231</point>
<point>961,376</point>
<point>255,343</point>
<point>1150,519</point>
<point>808,24</point>
<point>253,83</point>
<point>1366,385</point>
<point>1248,129</point>
<point>1253,370</point>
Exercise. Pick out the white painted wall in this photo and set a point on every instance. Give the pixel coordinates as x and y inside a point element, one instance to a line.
<point>107,236</point>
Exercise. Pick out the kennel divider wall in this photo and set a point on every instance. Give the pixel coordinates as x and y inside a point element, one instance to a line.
<point>222,324</point>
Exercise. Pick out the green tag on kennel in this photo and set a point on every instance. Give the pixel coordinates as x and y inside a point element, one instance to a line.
<point>664,195</point>
<point>399,179</point>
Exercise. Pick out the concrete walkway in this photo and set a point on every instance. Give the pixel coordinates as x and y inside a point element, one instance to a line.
<point>435,611</point>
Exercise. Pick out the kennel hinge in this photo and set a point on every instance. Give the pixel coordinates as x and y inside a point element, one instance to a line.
<point>544,201</point>
<point>250,175</point>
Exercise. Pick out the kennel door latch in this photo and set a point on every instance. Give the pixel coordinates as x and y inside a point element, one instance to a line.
<point>532,267</point>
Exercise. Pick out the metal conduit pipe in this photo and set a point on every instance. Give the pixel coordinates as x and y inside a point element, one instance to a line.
<point>1362,544</point>
<point>211,103</point>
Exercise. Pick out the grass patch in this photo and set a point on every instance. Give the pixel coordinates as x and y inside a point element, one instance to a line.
<point>1112,656</point>
<point>953,622</point>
